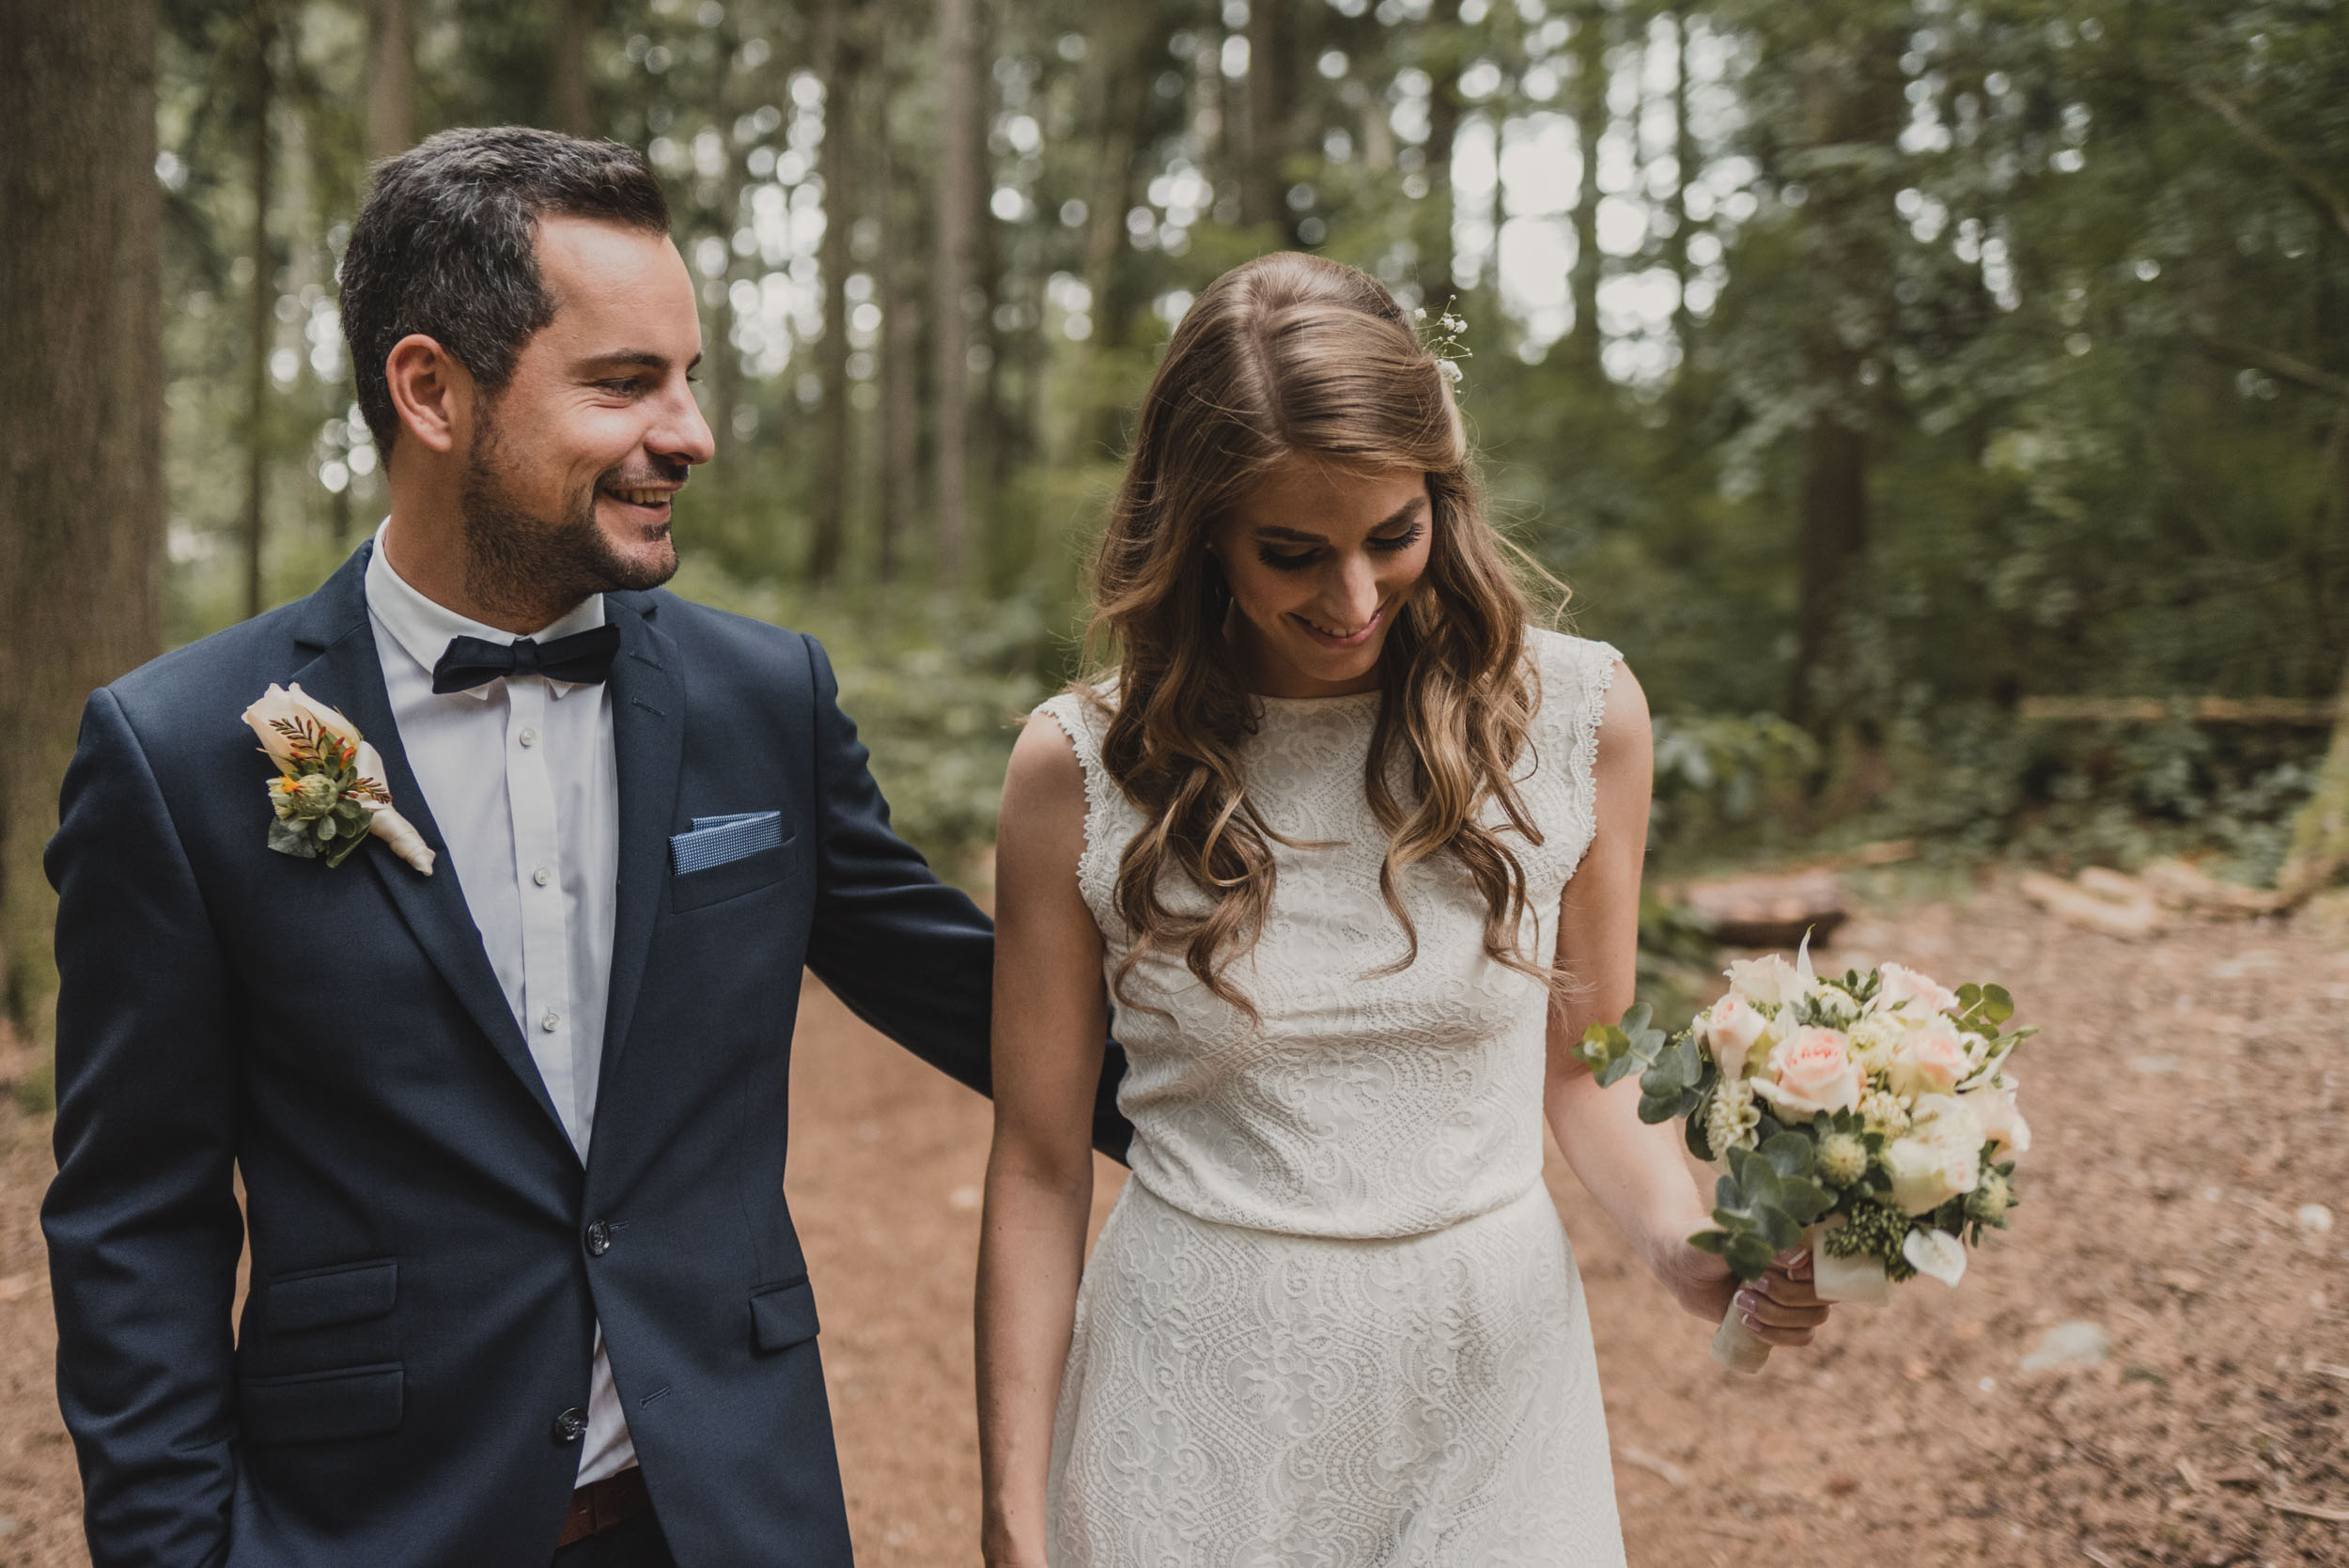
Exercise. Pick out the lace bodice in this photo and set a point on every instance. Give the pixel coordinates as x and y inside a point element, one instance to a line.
<point>1359,1104</point>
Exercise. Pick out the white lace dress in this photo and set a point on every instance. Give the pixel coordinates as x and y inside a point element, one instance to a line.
<point>1332,1321</point>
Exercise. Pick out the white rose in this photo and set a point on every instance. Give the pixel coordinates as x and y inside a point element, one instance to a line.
<point>1770,981</point>
<point>1929,1060</point>
<point>1926,1173</point>
<point>1730,1028</point>
<point>1897,984</point>
<point>2001,1121</point>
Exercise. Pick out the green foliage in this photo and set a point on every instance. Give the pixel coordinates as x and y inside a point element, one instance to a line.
<point>2098,359</point>
<point>1872,1230</point>
<point>1762,1203</point>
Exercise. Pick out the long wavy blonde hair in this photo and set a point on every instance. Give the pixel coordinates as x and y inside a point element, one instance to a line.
<point>1296,355</point>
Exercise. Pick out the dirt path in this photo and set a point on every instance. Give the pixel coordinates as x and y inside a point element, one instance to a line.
<point>2190,1098</point>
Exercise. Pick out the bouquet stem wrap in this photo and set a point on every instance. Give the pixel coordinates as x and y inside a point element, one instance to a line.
<point>1860,1281</point>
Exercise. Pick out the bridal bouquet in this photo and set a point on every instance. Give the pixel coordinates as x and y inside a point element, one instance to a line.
<point>1872,1114</point>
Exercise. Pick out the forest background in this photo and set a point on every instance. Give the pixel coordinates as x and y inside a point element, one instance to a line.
<point>1943,403</point>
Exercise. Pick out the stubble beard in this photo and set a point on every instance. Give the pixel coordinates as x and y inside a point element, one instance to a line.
<point>523,566</point>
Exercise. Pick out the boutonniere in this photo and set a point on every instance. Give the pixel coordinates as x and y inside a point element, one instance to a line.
<point>329,793</point>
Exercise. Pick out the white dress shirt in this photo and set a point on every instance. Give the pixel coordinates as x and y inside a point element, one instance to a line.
<point>521,776</point>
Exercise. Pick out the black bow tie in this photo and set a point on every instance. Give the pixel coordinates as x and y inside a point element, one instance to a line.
<point>582,659</point>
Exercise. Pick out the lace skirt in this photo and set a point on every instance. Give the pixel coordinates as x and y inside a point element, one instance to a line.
<point>1236,1398</point>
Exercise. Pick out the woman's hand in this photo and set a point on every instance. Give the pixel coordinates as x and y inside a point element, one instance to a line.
<point>1782,1307</point>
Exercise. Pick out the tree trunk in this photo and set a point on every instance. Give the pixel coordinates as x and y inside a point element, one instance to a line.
<point>1118,106</point>
<point>260,304</point>
<point>1852,95</point>
<point>81,475</point>
<point>568,104</point>
<point>2319,853</point>
<point>1438,220</point>
<point>1264,120</point>
<point>1685,158</point>
<point>838,62</point>
<point>1590,124</point>
<point>391,78</point>
<point>959,176</point>
<point>900,360</point>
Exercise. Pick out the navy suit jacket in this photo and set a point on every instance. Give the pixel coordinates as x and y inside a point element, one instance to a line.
<point>423,1299</point>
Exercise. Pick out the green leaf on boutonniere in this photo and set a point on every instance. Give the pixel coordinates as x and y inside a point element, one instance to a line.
<point>292,838</point>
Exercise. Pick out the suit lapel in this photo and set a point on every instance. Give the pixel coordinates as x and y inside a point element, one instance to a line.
<point>649,744</point>
<point>348,675</point>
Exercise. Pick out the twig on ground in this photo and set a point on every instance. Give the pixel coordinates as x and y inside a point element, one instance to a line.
<point>2309,1510</point>
<point>1673,1475</point>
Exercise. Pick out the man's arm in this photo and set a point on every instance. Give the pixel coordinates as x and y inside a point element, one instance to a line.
<point>142,1220</point>
<point>909,955</point>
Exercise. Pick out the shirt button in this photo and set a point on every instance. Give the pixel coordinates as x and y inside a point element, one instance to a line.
<point>528,737</point>
<point>552,1023</point>
<point>542,876</point>
<point>572,1425</point>
<point>598,1239</point>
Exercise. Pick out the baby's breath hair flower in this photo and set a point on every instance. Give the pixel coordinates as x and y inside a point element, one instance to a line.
<point>1444,339</point>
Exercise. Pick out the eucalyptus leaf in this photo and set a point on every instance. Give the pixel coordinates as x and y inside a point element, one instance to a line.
<point>289,838</point>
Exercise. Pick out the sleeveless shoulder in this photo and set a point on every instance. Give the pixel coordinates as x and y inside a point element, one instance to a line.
<point>1574,675</point>
<point>1085,722</point>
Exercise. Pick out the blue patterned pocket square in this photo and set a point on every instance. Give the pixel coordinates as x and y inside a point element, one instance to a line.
<point>717,841</point>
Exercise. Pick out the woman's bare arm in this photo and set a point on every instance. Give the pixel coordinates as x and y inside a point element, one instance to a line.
<point>1050,1020</point>
<point>1635,1170</point>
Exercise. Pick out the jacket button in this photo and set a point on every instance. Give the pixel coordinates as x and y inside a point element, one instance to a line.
<point>598,1239</point>
<point>570,1425</point>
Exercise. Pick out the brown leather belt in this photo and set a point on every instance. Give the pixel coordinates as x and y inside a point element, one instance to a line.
<point>599,1505</point>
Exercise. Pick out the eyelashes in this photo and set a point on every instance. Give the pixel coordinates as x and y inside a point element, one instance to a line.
<point>1298,560</point>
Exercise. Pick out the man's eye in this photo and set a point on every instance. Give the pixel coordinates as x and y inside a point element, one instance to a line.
<point>623,384</point>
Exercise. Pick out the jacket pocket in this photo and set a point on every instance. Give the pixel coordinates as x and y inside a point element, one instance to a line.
<point>692,889</point>
<point>322,1406</point>
<point>782,1315</point>
<point>325,1297</point>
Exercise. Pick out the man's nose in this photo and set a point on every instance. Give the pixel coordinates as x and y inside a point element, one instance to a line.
<point>684,436</point>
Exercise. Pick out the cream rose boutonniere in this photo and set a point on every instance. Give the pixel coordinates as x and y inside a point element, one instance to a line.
<point>328,797</point>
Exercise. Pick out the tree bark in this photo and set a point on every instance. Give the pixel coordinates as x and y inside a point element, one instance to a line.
<point>2319,851</point>
<point>1444,135</point>
<point>81,475</point>
<point>958,175</point>
<point>391,78</point>
<point>569,107</point>
<point>261,304</point>
<point>1590,124</point>
<point>1852,95</point>
<point>839,62</point>
<point>1265,119</point>
<point>1685,157</point>
<point>898,269</point>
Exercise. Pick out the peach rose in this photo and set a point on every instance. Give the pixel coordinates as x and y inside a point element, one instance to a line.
<point>1929,1060</point>
<point>1810,1071</point>
<point>1899,985</point>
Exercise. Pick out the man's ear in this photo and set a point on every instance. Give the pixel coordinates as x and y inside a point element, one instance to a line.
<point>432,393</point>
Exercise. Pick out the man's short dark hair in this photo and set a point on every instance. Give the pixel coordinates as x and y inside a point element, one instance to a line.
<point>445,246</point>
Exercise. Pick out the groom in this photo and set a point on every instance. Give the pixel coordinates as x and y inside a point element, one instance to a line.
<point>509,1105</point>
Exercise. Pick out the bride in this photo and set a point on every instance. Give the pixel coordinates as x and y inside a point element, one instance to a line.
<point>1354,852</point>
